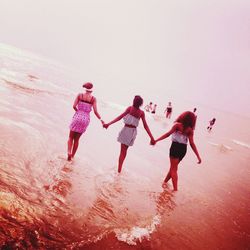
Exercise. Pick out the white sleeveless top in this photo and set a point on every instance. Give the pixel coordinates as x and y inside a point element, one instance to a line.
<point>131,120</point>
<point>177,136</point>
<point>128,134</point>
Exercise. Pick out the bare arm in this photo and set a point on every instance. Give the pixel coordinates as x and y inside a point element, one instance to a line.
<point>171,131</point>
<point>76,102</point>
<point>146,126</point>
<point>193,146</point>
<point>96,112</point>
<point>118,118</point>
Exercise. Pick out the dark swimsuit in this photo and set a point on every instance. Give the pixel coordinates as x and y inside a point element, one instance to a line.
<point>178,147</point>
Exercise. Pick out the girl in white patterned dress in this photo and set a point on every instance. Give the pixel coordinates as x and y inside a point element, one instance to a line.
<point>127,135</point>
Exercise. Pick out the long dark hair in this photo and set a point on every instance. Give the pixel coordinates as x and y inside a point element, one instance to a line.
<point>137,102</point>
<point>187,119</point>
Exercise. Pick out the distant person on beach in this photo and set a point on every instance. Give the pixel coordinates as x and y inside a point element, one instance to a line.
<point>194,111</point>
<point>127,135</point>
<point>83,105</point>
<point>149,107</point>
<point>182,132</point>
<point>168,110</point>
<point>211,123</point>
<point>154,109</point>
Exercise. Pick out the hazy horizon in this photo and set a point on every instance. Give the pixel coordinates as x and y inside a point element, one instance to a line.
<point>192,53</point>
<point>197,52</point>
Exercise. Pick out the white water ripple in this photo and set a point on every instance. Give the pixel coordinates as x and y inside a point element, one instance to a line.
<point>136,234</point>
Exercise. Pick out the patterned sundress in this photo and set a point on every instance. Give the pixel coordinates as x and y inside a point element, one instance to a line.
<point>81,118</point>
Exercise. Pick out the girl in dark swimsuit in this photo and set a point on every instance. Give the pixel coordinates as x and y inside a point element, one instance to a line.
<point>182,132</point>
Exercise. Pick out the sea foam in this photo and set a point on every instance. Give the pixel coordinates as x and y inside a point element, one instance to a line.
<point>243,144</point>
<point>136,234</point>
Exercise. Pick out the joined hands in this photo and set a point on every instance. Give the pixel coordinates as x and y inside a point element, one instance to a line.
<point>152,142</point>
<point>199,161</point>
<point>105,125</point>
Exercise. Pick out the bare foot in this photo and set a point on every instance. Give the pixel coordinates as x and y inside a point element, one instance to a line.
<point>69,157</point>
<point>164,185</point>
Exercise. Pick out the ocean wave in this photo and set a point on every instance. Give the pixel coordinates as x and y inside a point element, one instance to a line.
<point>135,234</point>
<point>115,105</point>
<point>18,86</point>
<point>25,79</point>
<point>221,147</point>
<point>30,90</point>
<point>243,144</point>
<point>17,55</point>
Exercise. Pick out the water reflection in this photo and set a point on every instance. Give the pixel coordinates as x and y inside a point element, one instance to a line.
<point>165,201</point>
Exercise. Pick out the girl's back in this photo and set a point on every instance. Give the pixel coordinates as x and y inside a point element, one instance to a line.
<point>135,112</point>
<point>185,131</point>
<point>86,98</point>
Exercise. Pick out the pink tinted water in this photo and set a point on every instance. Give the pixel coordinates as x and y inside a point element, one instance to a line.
<point>47,202</point>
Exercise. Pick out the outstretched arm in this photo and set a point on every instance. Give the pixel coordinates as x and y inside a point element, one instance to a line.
<point>193,146</point>
<point>171,131</point>
<point>96,112</point>
<point>118,118</point>
<point>146,126</point>
<point>76,102</point>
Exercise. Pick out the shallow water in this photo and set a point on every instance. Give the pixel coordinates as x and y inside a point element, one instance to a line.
<point>49,203</point>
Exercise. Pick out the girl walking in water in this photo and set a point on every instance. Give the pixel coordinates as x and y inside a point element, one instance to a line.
<point>211,123</point>
<point>83,105</point>
<point>168,110</point>
<point>182,132</point>
<point>127,135</point>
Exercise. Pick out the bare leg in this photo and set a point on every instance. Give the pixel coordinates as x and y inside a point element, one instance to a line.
<point>70,143</point>
<point>168,177</point>
<point>76,142</point>
<point>173,172</point>
<point>122,156</point>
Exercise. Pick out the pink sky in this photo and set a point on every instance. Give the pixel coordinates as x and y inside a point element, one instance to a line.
<point>166,50</point>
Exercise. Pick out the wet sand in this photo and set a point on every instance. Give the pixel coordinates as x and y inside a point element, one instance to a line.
<point>49,203</point>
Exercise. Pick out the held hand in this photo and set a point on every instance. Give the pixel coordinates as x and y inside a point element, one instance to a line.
<point>152,142</point>
<point>199,161</point>
<point>105,125</point>
<point>102,122</point>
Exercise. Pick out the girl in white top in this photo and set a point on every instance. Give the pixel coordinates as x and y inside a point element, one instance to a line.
<point>182,132</point>
<point>127,135</point>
